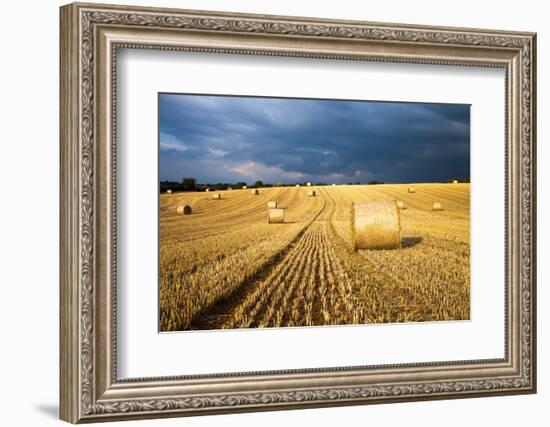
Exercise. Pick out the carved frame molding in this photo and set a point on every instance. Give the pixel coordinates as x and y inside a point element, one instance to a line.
<point>90,36</point>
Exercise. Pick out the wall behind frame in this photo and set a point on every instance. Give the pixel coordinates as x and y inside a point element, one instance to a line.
<point>29,177</point>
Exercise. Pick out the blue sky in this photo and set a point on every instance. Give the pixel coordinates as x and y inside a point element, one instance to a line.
<point>230,139</point>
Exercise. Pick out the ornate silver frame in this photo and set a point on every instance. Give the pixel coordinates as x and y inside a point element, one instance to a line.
<point>90,36</point>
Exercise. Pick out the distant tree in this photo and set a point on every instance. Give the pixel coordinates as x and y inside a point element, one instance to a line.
<point>240,184</point>
<point>258,184</point>
<point>375,182</point>
<point>189,184</point>
<point>169,185</point>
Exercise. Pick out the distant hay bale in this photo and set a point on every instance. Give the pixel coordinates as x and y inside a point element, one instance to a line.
<point>401,204</point>
<point>229,188</point>
<point>276,216</point>
<point>309,184</point>
<point>411,190</point>
<point>311,193</point>
<point>184,209</point>
<point>455,181</point>
<point>436,206</point>
<point>375,225</point>
<point>255,192</point>
<point>208,189</point>
<point>297,185</point>
<point>169,191</point>
<point>216,196</point>
<point>272,204</point>
<point>244,187</point>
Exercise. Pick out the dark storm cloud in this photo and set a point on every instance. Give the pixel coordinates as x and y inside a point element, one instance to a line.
<point>228,139</point>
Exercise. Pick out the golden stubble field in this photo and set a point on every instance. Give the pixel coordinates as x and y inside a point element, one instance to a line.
<point>224,266</point>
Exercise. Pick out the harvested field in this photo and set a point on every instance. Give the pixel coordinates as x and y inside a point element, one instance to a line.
<point>225,266</point>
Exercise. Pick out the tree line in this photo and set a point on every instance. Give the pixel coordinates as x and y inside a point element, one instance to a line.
<point>191,184</point>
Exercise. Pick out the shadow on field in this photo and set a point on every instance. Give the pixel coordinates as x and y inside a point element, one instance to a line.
<point>409,242</point>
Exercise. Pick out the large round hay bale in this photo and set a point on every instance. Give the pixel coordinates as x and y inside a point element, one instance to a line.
<point>184,210</point>
<point>276,216</point>
<point>311,193</point>
<point>455,181</point>
<point>244,187</point>
<point>375,225</point>
<point>216,196</point>
<point>297,185</point>
<point>272,204</point>
<point>169,191</point>
<point>255,192</point>
<point>411,190</point>
<point>436,206</point>
<point>401,204</point>
<point>309,184</point>
<point>208,189</point>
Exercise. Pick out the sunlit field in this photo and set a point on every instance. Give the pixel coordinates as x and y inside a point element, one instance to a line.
<point>224,266</point>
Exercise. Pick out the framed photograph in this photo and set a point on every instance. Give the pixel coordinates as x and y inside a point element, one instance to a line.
<point>266,212</point>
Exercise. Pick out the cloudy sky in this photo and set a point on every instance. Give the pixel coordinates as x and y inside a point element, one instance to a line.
<point>231,139</point>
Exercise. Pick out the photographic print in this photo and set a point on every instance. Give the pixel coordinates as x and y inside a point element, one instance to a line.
<point>291,212</point>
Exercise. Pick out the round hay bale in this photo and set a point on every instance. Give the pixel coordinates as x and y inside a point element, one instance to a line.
<point>401,204</point>
<point>208,189</point>
<point>276,216</point>
<point>455,181</point>
<point>244,187</point>
<point>311,193</point>
<point>272,204</point>
<point>229,188</point>
<point>216,196</point>
<point>411,190</point>
<point>309,184</point>
<point>169,191</point>
<point>436,206</point>
<point>375,225</point>
<point>297,185</point>
<point>255,192</point>
<point>184,209</point>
